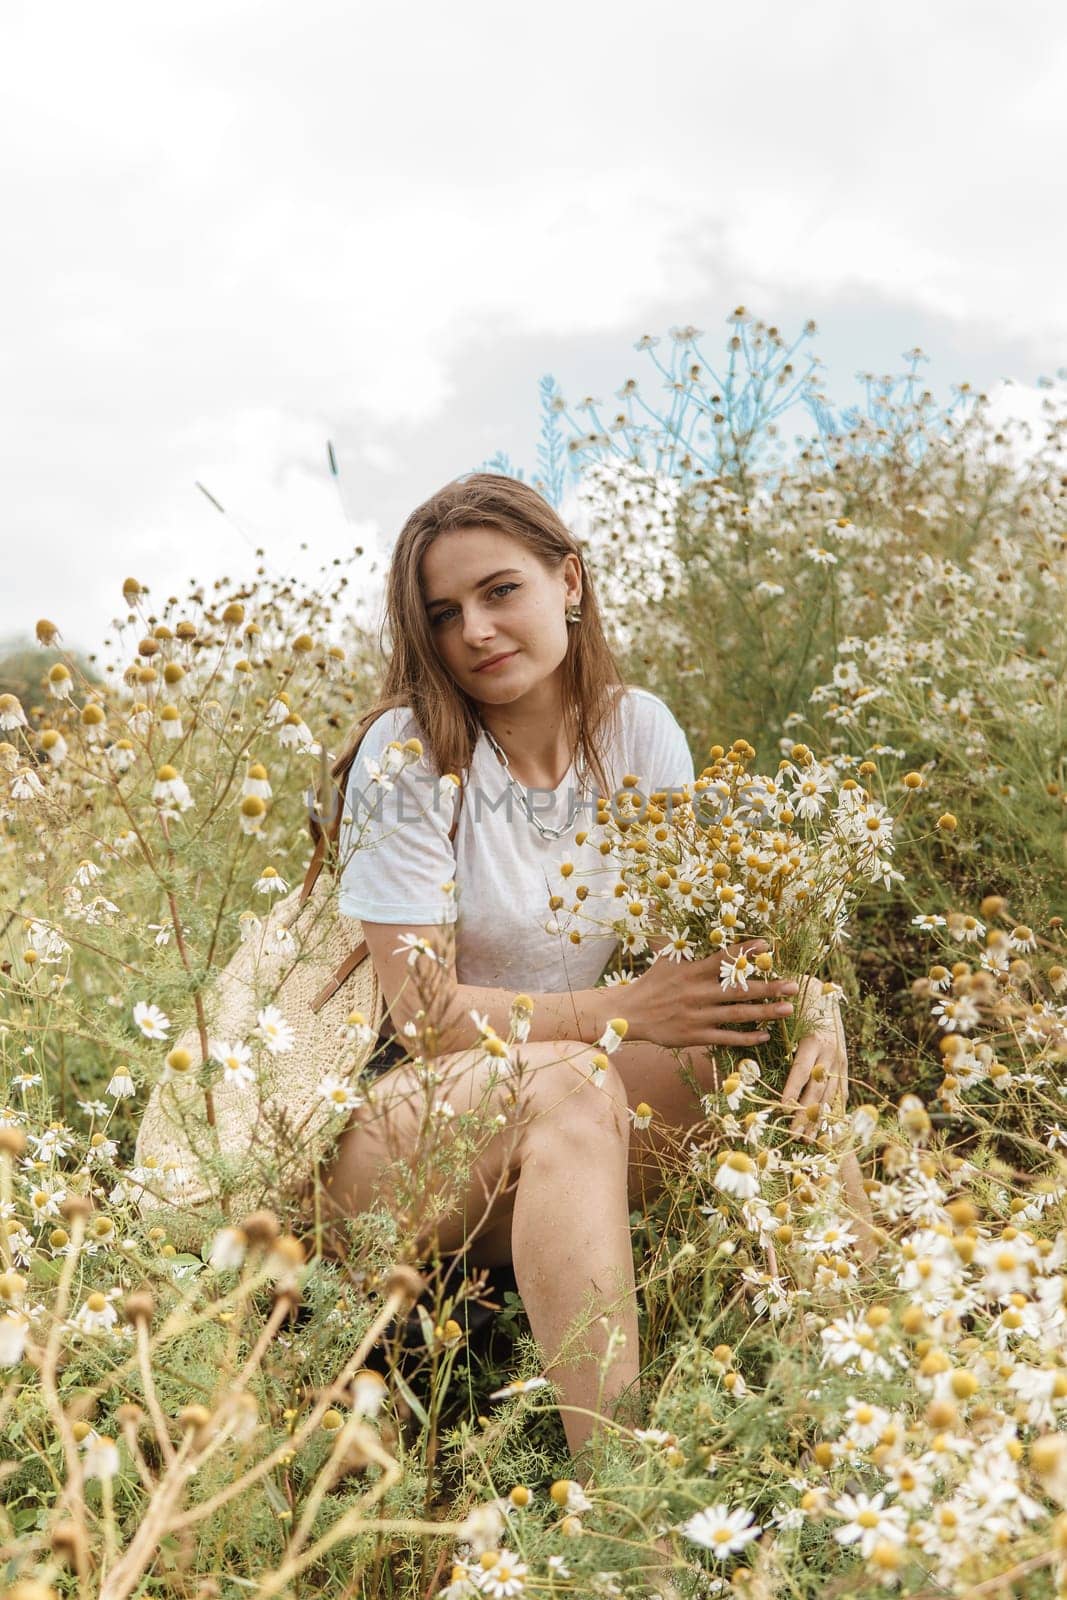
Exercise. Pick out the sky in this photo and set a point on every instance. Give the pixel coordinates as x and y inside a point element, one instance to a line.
<point>235,231</point>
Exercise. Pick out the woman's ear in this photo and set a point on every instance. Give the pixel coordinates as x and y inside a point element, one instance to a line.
<point>573,579</point>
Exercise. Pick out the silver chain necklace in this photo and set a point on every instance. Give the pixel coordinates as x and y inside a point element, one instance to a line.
<point>545,831</point>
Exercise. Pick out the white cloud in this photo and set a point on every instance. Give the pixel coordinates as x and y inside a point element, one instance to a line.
<point>1021,411</point>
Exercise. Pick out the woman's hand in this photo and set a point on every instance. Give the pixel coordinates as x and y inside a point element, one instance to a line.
<point>819,1074</point>
<point>685,1003</point>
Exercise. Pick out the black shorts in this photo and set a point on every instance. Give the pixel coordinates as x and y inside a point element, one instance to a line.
<point>388,1053</point>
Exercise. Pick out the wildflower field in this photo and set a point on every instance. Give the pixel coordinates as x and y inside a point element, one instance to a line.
<point>854,1334</point>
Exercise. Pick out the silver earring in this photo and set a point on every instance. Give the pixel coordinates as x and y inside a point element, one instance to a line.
<point>574,613</point>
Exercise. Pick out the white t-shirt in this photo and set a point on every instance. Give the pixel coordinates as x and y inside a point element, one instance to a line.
<point>503,869</point>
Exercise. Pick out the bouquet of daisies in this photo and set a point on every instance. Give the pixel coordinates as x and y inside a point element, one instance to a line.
<point>744,856</point>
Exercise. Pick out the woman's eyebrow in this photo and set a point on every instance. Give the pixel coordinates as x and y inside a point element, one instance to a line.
<point>479,585</point>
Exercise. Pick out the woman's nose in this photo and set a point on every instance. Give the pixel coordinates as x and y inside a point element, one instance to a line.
<point>477,627</point>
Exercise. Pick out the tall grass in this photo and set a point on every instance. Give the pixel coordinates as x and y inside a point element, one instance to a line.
<point>883,604</point>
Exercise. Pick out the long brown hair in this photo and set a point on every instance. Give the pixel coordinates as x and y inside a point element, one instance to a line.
<point>415,675</point>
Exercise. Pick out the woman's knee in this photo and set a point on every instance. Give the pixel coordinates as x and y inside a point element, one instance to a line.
<point>573,1091</point>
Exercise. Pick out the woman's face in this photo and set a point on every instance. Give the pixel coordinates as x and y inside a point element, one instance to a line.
<point>487,595</point>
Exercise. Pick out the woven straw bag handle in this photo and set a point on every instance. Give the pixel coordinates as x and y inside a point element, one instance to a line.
<point>324,839</point>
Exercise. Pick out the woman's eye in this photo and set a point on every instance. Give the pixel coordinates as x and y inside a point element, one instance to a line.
<point>443,615</point>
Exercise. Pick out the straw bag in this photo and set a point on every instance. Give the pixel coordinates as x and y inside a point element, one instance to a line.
<point>266,1136</point>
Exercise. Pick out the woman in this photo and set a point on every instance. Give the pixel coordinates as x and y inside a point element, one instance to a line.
<point>501,669</point>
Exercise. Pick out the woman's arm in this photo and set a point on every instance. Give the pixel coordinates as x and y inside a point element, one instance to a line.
<point>673,1004</point>
<point>429,981</point>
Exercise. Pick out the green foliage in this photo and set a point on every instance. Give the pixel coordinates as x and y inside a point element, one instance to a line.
<point>888,601</point>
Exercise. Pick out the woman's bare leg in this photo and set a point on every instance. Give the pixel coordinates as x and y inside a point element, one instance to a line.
<point>552,1192</point>
<point>555,1177</point>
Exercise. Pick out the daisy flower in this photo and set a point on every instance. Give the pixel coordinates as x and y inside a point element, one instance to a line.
<point>152,1022</point>
<point>655,1436</point>
<point>518,1386</point>
<point>47,941</point>
<point>959,1014</point>
<point>866,1423</point>
<point>235,1060</point>
<point>832,1239</point>
<point>808,797</point>
<point>121,755</point>
<point>369,1392</point>
<point>850,1339</point>
<point>11,713</point>
<point>460,1586</point>
<point>14,1326</point>
<point>60,682</point>
<point>294,734</point>
<point>481,1530</point>
<point>1008,1267</point>
<point>54,746</point>
<point>734,974</point>
<point>738,1175</point>
<point>910,1480</point>
<point>97,1315</point>
<point>339,1096</point>
<point>869,1521</point>
<point>256,782</point>
<point>276,1033</point>
<point>270,881</point>
<point>101,1457</point>
<point>495,1052</point>
<point>228,1249</point>
<point>598,1066</point>
<point>964,928</point>
<point>504,1579</point>
<point>357,1030</point>
<point>26,785</point>
<point>733,1090</point>
<point>171,792</point>
<point>416,947</point>
<point>720,1530</point>
<point>121,1086</point>
<point>54,1142</point>
<point>613,1035</point>
<point>520,1017</point>
<point>252,812</point>
<point>569,1495</point>
<point>383,776</point>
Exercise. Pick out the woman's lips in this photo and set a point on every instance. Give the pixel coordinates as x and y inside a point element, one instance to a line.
<point>491,666</point>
